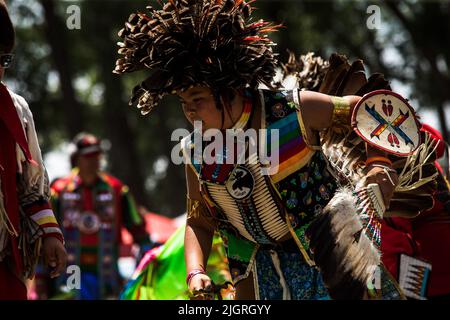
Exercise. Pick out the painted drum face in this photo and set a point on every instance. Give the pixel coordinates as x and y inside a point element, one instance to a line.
<point>385,120</point>
<point>89,222</point>
<point>241,183</point>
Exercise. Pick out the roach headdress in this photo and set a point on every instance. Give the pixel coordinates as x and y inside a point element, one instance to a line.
<point>213,43</point>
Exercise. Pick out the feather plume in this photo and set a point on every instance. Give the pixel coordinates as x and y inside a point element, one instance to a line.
<point>195,42</point>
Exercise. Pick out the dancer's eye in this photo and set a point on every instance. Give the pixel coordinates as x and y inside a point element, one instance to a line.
<point>198,102</point>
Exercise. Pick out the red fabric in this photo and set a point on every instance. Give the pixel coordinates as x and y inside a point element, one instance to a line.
<point>437,136</point>
<point>88,202</point>
<point>89,240</point>
<point>11,288</point>
<point>11,132</point>
<point>434,239</point>
<point>9,114</point>
<point>431,242</point>
<point>158,226</point>
<point>73,180</point>
<point>432,231</point>
<point>8,171</point>
<point>396,235</point>
<point>431,239</point>
<point>60,184</point>
<point>117,186</point>
<point>36,207</point>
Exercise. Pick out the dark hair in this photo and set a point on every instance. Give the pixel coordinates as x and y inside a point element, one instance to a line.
<point>7,34</point>
<point>224,97</point>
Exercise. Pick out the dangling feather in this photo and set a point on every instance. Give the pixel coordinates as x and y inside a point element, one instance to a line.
<point>344,253</point>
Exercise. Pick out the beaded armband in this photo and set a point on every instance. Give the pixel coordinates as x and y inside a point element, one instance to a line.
<point>192,274</point>
<point>341,111</point>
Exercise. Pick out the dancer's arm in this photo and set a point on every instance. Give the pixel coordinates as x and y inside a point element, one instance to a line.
<point>318,113</point>
<point>376,174</point>
<point>198,236</point>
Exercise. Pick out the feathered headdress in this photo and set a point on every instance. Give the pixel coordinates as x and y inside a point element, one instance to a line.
<point>307,72</point>
<point>195,42</point>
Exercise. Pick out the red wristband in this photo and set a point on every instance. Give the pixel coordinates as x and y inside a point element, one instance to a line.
<point>56,235</point>
<point>192,274</point>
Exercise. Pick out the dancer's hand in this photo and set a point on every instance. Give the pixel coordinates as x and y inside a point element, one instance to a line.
<point>55,255</point>
<point>200,282</point>
<point>386,180</point>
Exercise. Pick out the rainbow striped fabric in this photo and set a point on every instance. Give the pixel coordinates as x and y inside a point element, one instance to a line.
<point>294,154</point>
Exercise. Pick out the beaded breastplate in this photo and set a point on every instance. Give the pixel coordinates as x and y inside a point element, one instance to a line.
<point>249,203</point>
<point>247,198</point>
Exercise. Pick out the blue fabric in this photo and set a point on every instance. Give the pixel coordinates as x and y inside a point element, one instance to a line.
<point>304,282</point>
<point>89,287</point>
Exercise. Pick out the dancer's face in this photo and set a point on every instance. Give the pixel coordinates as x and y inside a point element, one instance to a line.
<point>199,104</point>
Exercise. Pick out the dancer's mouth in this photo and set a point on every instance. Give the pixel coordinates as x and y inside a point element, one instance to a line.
<point>191,115</point>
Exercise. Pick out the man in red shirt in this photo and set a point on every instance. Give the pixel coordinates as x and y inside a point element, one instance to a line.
<point>93,206</point>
